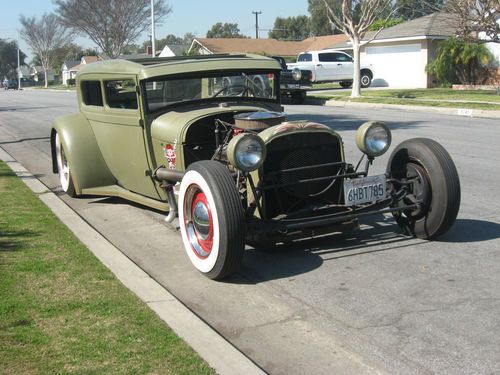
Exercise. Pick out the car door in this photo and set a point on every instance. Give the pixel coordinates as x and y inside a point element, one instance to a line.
<point>326,67</point>
<point>345,66</point>
<point>120,136</point>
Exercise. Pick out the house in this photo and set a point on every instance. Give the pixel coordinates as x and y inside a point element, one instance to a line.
<point>268,47</point>
<point>174,50</point>
<point>65,70</point>
<point>399,54</point>
<point>37,74</point>
<point>71,71</point>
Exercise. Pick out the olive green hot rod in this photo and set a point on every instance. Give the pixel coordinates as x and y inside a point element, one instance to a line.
<point>204,139</point>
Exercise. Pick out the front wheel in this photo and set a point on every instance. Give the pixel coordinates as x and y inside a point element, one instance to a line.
<point>63,168</point>
<point>211,218</point>
<point>432,180</point>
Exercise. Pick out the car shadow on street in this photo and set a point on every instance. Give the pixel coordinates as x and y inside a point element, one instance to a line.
<point>471,230</point>
<point>292,259</point>
<point>344,122</point>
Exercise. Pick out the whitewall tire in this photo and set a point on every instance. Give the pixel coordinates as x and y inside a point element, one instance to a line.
<point>211,219</point>
<point>63,168</point>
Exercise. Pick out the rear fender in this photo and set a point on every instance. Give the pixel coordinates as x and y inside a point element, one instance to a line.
<point>88,168</point>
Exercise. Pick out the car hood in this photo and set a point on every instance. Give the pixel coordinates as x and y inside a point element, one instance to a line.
<point>174,124</point>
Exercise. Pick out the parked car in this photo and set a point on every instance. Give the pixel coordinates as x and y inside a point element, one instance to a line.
<point>10,84</point>
<point>170,134</point>
<point>330,65</point>
<point>294,82</point>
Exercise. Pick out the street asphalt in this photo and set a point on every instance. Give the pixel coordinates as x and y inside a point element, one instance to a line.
<point>372,301</point>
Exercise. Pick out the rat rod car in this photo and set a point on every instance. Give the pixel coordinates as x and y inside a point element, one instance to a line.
<point>204,138</point>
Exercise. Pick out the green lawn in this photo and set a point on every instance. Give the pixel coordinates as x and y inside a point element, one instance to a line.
<point>62,311</point>
<point>473,99</point>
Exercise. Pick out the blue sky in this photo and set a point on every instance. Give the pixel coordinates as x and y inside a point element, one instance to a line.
<point>195,16</point>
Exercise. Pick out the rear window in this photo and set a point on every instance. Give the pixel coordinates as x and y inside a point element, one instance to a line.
<point>92,93</point>
<point>327,57</point>
<point>304,57</point>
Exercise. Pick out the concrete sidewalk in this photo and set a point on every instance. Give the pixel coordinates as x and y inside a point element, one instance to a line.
<point>213,348</point>
<point>466,112</point>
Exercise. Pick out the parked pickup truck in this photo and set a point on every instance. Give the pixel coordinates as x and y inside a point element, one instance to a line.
<point>330,65</point>
<point>294,82</point>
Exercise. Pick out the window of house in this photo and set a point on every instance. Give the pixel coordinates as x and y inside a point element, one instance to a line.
<point>121,94</point>
<point>92,93</point>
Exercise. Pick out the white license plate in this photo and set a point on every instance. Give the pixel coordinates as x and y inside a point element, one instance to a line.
<point>364,189</point>
<point>293,86</point>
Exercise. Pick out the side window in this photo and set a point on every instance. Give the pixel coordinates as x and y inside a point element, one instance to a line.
<point>326,57</point>
<point>304,57</point>
<point>91,93</point>
<point>342,58</point>
<point>121,94</point>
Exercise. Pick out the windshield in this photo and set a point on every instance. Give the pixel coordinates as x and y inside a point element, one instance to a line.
<point>166,91</point>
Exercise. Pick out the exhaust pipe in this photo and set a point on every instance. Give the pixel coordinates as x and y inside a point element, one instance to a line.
<point>168,178</point>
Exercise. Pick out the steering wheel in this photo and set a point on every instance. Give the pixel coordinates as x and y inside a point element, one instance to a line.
<point>239,90</point>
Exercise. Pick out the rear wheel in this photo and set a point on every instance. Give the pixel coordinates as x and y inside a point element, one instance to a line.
<point>211,218</point>
<point>298,97</point>
<point>63,168</point>
<point>435,183</point>
<point>345,84</point>
<point>366,78</point>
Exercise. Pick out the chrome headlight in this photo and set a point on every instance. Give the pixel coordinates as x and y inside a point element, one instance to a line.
<point>373,138</point>
<point>296,74</point>
<point>246,152</point>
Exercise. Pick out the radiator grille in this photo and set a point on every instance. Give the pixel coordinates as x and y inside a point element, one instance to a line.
<point>301,150</point>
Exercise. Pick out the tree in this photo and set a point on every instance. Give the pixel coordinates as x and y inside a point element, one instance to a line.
<point>411,9</point>
<point>226,30</point>
<point>459,61</point>
<point>291,28</point>
<point>381,24</point>
<point>8,59</point>
<point>44,36</point>
<point>111,24</point>
<point>319,23</point>
<point>476,16</point>
<point>354,19</point>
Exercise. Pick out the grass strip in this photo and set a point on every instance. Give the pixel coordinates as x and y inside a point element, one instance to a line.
<point>62,311</point>
<point>418,102</point>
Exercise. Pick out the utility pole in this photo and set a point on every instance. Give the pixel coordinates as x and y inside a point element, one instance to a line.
<point>256,23</point>
<point>153,37</point>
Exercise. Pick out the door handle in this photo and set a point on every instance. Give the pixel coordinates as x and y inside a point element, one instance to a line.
<point>339,64</point>
<point>319,64</point>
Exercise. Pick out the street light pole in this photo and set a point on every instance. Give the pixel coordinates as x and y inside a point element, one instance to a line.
<point>153,37</point>
<point>257,23</point>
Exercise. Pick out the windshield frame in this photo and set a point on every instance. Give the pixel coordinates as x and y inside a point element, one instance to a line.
<point>216,99</point>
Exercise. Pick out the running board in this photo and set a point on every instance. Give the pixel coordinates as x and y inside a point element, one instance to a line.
<point>117,191</point>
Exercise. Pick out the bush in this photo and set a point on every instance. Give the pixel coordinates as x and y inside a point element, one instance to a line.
<point>458,61</point>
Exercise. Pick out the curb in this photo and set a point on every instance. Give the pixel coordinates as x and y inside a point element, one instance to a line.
<point>213,348</point>
<point>465,112</point>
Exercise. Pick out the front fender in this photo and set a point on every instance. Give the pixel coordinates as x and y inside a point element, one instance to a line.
<point>87,166</point>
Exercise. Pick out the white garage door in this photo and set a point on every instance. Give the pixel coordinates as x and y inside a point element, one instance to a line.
<point>397,66</point>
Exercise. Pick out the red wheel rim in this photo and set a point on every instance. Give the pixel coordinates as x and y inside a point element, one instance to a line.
<point>198,222</point>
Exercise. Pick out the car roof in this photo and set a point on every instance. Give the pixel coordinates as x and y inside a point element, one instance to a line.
<point>146,68</point>
<point>325,50</point>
